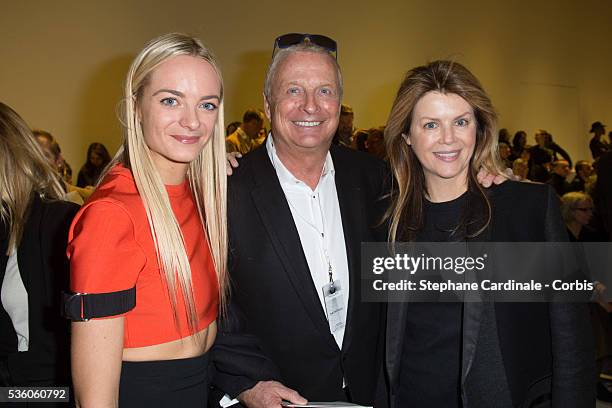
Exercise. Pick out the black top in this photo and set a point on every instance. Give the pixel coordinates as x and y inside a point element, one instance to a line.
<point>431,360</point>
<point>587,234</point>
<point>514,354</point>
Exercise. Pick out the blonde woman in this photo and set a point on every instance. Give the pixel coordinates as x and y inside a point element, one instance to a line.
<point>577,210</point>
<point>147,251</point>
<point>34,222</point>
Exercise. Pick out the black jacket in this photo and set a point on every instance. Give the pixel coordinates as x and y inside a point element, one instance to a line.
<point>273,294</point>
<point>44,271</point>
<point>539,348</point>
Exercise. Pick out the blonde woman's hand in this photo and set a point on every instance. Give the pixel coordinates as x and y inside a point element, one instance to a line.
<point>232,161</point>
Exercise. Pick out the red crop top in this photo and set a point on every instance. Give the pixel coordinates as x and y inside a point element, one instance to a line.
<point>111,249</point>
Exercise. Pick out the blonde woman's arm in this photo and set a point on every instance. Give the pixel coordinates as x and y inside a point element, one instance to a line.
<point>96,355</point>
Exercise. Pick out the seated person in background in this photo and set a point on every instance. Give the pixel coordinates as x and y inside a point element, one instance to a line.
<point>359,140</point>
<point>97,159</point>
<point>556,149</point>
<point>375,143</point>
<point>584,169</point>
<point>577,211</point>
<point>344,133</point>
<point>53,154</point>
<point>560,171</point>
<point>520,168</point>
<point>504,153</point>
<point>518,144</point>
<point>503,136</point>
<point>231,128</point>
<point>246,137</point>
<point>34,222</point>
<point>540,160</point>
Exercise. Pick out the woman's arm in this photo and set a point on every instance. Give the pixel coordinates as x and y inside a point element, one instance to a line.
<point>96,355</point>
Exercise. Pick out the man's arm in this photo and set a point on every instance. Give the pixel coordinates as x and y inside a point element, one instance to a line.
<point>242,369</point>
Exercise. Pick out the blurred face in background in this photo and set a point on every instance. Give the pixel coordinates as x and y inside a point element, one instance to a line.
<point>583,212</point>
<point>345,125</point>
<point>520,168</point>
<point>562,168</point>
<point>504,151</point>
<point>96,159</point>
<point>584,171</point>
<point>252,128</point>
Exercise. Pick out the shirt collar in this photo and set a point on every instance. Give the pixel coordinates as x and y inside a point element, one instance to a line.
<point>284,175</point>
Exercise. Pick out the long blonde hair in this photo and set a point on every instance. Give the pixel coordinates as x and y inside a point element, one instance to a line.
<point>24,171</point>
<point>206,174</point>
<point>406,210</point>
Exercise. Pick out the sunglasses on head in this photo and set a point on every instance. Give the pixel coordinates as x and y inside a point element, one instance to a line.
<point>287,40</point>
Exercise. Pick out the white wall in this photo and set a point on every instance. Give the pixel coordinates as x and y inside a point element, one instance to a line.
<point>546,64</point>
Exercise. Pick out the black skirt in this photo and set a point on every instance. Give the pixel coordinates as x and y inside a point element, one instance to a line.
<point>167,383</point>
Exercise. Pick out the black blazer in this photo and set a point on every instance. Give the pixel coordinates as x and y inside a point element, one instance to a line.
<point>273,292</point>
<point>44,271</point>
<point>516,354</point>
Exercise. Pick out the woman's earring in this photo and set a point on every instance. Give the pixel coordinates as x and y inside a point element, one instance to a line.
<point>406,139</point>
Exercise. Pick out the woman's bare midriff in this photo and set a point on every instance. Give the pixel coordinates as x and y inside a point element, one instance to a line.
<point>187,347</point>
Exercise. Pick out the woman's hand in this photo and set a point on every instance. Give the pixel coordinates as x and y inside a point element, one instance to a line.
<point>232,161</point>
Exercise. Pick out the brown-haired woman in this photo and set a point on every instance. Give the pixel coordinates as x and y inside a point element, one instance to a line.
<point>441,130</point>
<point>34,222</point>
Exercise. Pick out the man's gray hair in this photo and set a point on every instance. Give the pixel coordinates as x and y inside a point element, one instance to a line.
<point>283,53</point>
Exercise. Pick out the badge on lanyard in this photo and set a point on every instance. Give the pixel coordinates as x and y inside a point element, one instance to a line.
<point>334,305</point>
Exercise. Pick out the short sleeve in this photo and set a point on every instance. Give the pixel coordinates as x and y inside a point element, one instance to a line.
<point>103,251</point>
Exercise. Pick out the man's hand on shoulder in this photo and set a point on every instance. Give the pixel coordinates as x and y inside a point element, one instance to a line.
<point>487,179</point>
<point>269,394</point>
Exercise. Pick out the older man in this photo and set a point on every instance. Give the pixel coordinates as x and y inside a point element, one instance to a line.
<point>298,213</point>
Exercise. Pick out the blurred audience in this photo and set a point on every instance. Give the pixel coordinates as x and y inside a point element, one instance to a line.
<point>519,141</point>
<point>558,177</point>
<point>359,139</point>
<point>503,136</point>
<point>231,128</point>
<point>504,153</point>
<point>97,159</point>
<point>53,154</point>
<point>556,149</point>
<point>584,170</point>
<point>344,133</point>
<point>520,168</point>
<point>541,158</point>
<point>246,137</point>
<point>375,143</point>
<point>598,147</point>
